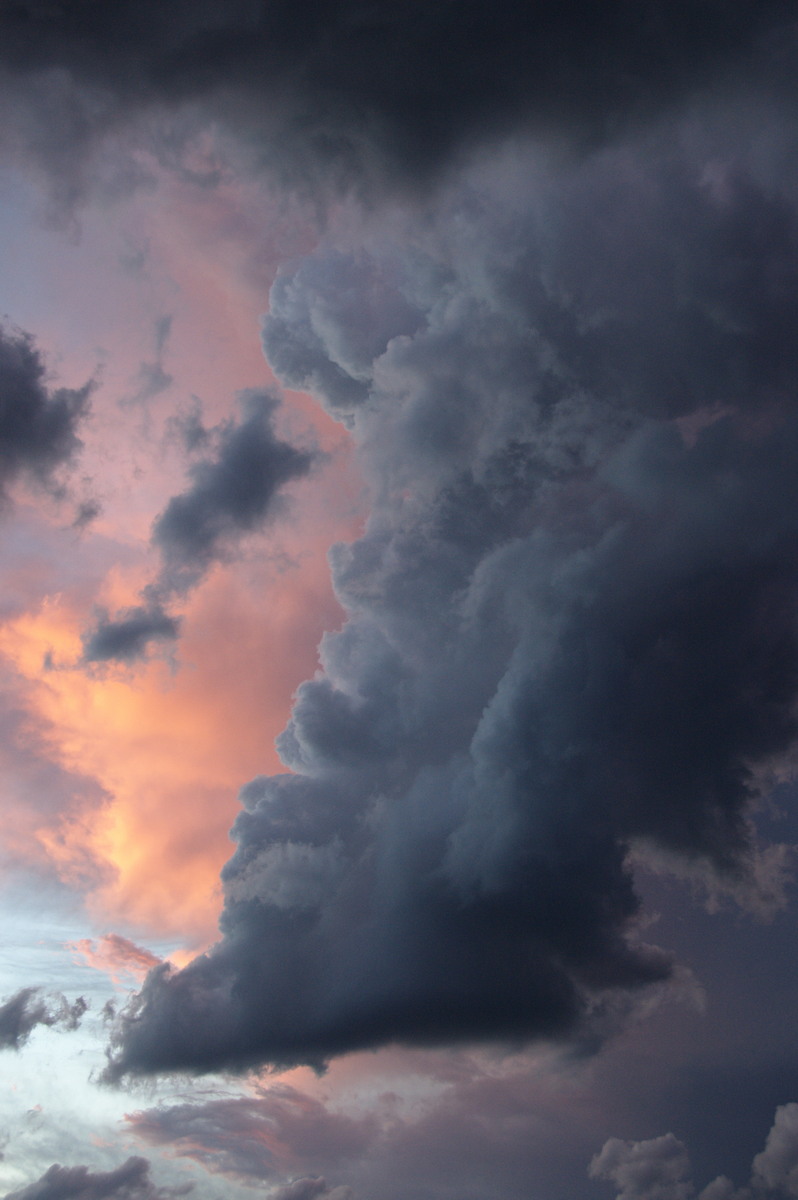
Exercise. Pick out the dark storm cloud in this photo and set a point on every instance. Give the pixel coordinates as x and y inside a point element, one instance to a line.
<point>127,637</point>
<point>130,1181</point>
<point>31,1007</point>
<point>38,424</point>
<point>234,490</point>
<point>368,93</point>
<point>570,618</point>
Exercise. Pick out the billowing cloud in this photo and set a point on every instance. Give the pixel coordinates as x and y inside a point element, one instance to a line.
<point>130,1181</point>
<point>233,492</point>
<point>659,1169</point>
<point>31,1007</point>
<point>38,424</point>
<point>364,95</point>
<point>570,618</point>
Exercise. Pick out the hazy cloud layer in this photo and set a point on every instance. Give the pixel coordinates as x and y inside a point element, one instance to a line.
<point>130,1181</point>
<point>31,1007</point>
<point>570,618</point>
<point>38,424</point>
<point>233,491</point>
<point>361,94</point>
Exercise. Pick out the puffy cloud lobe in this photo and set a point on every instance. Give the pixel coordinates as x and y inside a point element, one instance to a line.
<point>29,1008</point>
<point>570,623</point>
<point>130,1181</point>
<point>367,96</point>
<point>232,492</point>
<point>651,1170</point>
<point>38,425</point>
<point>659,1169</point>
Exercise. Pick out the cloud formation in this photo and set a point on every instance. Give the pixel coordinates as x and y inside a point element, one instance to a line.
<point>570,618</point>
<point>233,491</point>
<point>659,1169</point>
<point>370,97</point>
<point>29,1008</point>
<point>38,424</point>
<point>130,1181</point>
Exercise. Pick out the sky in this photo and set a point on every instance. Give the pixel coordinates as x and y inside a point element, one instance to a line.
<point>399,621</point>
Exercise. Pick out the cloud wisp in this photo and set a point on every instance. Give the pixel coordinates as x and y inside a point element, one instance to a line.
<point>130,1181</point>
<point>30,1008</point>
<point>233,492</point>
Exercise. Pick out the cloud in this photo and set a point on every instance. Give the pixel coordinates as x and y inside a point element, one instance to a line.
<point>234,491</point>
<point>312,1189</point>
<point>569,619</point>
<point>38,425</point>
<point>31,1007</point>
<point>130,1181</point>
<point>654,1170</point>
<point>117,955</point>
<point>659,1169</point>
<point>229,496</point>
<point>362,96</point>
<point>127,637</point>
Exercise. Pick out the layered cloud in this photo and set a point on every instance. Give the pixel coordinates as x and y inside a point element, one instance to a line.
<point>570,617</point>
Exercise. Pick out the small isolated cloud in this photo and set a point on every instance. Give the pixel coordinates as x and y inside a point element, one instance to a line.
<point>130,1181</point>
<point>233,491</point>
<point>31,1007</point>
<point>38,424</point>
<point>229,495</point>
<point>127,637</point>
<point>116,955</point>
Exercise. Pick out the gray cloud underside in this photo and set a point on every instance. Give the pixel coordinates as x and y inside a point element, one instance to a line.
<point>31,1007</point>
<point>130,1181</point>
<point>233,492</point>
<point>374,95</point>
<point>38,425</point>
<point>570,618</point>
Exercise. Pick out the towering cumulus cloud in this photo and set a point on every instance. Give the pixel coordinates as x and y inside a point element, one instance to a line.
<point>570,620</point>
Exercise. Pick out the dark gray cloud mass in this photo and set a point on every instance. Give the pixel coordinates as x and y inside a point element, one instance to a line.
<point>369,93</point>
<point>233,491</point>
<point>570,627</point>
<point>38,424</point>
<point>130,1181</point>
<point>30,1007</point>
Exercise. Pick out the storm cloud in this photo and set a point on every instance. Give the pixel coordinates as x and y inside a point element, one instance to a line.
<point>38,424</point>
<point>570,623</point>
<point>371,96</point>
